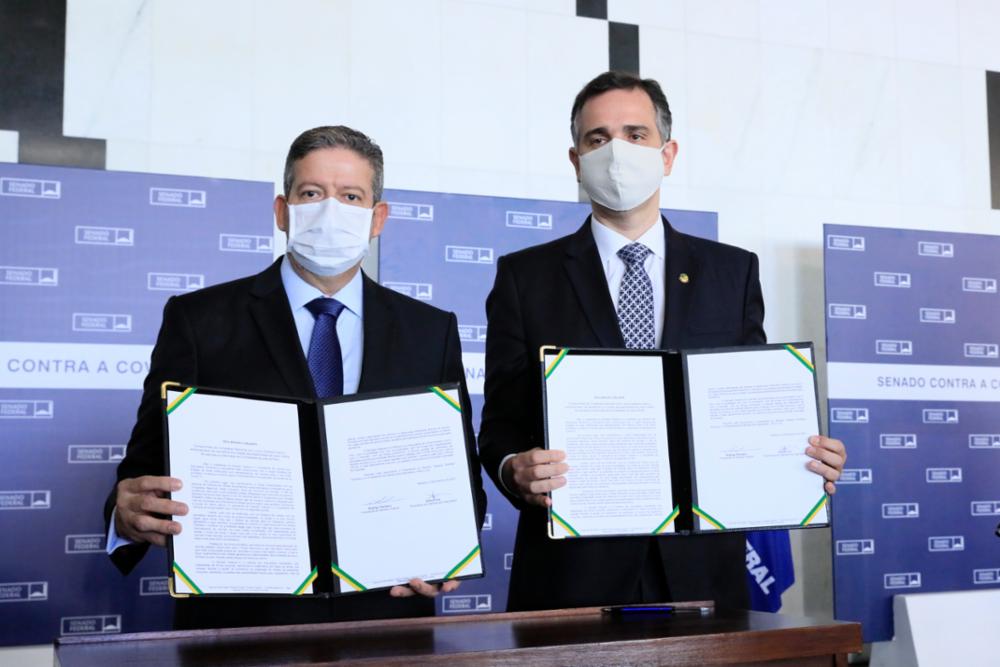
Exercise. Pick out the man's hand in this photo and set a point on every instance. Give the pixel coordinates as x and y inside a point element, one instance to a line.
<point>534,473</point>
<point>830,457</point>
<point>423,588</point>
<point>141,507</point>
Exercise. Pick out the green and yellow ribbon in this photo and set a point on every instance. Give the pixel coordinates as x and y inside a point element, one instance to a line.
<point>182,575</point>
<point>556,362</point>
<point>707,517</point>
<point>565,524</point>
<point>814,511</point>
<point>462,564</point>
<point>348,579</point>
<point>176,403</point>
<point>305,584</point>
<point>801,357</point>
<point>666,522</point>
<point>445,397</point>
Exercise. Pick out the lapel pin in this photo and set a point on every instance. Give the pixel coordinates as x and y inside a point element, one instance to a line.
<point>684,278</point>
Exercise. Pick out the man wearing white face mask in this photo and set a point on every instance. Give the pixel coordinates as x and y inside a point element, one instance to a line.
<point>626,278</point>
<point>310,325</point>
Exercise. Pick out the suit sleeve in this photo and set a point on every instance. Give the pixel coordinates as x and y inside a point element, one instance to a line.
<point>454,369</point>
<point>508,410</point>
<point>753,307</point>
<point>174,358</point>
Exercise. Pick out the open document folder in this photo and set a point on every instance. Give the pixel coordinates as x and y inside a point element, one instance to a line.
<point>663,443</point>
<point>293,497</point>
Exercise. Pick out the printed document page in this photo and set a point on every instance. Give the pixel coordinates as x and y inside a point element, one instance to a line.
<point>752,413</point>
<point>608,413</point>
<point>240,462</point>
<point>402,498</point>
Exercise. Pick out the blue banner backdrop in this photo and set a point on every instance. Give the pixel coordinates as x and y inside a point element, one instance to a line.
<point>442,248</point>
<point>87,259</point>
<point>913,350</point>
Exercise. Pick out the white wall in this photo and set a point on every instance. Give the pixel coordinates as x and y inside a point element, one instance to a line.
<point>789,113</point>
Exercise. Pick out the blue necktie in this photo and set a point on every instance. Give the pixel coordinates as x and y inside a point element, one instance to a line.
<point>325,361</point>
<point>635,300</point>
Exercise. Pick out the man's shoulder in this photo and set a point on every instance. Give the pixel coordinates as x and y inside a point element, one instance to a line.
<point>713,250</point>
<point>543,252</point>
<point>215,295</point>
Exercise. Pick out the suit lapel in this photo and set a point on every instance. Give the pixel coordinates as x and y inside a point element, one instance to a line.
<point>681,261</point>
<point>273,315</point>
<point>586,275</point>
<point>379,331</point>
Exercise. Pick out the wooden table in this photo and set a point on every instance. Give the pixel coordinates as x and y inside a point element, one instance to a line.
<point>562,637</point>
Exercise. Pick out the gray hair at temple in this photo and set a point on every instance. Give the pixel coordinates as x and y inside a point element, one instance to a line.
<point>335,136</point>
<point>614,80</point>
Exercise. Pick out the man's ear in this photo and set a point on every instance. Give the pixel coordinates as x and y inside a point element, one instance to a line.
<point>281,213</point>
<point>669,155</point>
<point>379,215</point>
<point>574,157</point>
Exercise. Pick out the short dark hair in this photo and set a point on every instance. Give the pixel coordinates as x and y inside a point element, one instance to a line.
<point>335,136</point>
<point>615,80</point>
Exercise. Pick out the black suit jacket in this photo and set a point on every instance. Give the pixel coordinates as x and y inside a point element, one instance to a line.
<point>556,294</point>
<point>241,336</point>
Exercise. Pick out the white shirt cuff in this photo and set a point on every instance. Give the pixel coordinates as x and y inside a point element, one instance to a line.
<point>499,475</point>
<point>114,541</point>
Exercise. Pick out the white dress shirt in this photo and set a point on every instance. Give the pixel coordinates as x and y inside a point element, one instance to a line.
<point>350,332</point>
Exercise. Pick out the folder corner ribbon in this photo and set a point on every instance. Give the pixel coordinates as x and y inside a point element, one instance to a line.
<point>707,517</point>
<point>814,511</point>
<point>666,522</point>
<point>311,577</point>
<point>182,575</point>
<point>564,523</point>
<point>556,362</point>
<point>462,564</point>
<point>445,397</point>
<point>176,403</point>
<point>801,357</point>
<point>346,578</point>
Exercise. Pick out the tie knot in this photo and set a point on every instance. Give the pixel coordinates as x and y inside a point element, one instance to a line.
<point>325,306</point>
<point>634,253</point>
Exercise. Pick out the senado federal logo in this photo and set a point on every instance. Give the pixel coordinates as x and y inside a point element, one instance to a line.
<point>104,624</point>
<point>102,322</point>
<point>30,187</point>
<point>847,311</point>
<point>900,348</point>
<point>177,197</point>
<point>844,242</point>
<point>246,243</point>
<point>889,279</point>
<point>421,291</point>
<point>24,591</point>
<point>19,409</point>
<point>113,236</point>
<point>526,220</point>
<point>464,604</point>
<point>935,249</point>
<point>174,282</point>
<point>407,211</point>
<point>29,276</point>
<point>468,254</point>
<point>95,453</point>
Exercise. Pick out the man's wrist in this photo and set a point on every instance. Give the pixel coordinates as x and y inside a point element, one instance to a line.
<point>500,475</point>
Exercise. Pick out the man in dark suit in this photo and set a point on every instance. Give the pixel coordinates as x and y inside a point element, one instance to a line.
<point>626,278</point>
<point>310,325</point>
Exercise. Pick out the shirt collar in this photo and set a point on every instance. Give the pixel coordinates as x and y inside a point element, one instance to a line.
<point>300,292</point>
<point>609,242</point>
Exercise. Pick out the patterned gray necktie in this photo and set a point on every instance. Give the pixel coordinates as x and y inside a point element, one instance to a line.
<point>635,300</point>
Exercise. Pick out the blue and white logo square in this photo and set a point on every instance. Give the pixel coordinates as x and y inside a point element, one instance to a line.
<point>29,276</point>
<point>246,243</point>
<point>935,249</point>
<point>898,348</point>
<point>465,604</point>
<point>897,440</point>
<point>984,441</point>
<point>855,476</point>
<point>985,507</point>
<point>25,500</point>
<point>95,543</point>
<point>472,333</point>
<point>114,236</point>
<point>30,187</point>
<point>892,580</point>
<point>468,254</point>
<point>946,543</point>
<point>421,291</point>
<point>847,311</point>
<point>174,282</point>
<point>890,279</point>
<point>849,415</point>
<point>177,197</point>
<point>864,547</point>
<point>937,315</point>
<point>900,510</point>
<point>95,453</point>
<point>102,322</point>
<point>986,575</point>
<point>105,624</point>
<point>19,409</point>
<point>508,561</point>
<point>154,586</point>
<point>404,211</point>
<point>944,475</point>
<point>981,350</point>
<point>526,220</point>
<point>845,242</point>
<point>982,285</point>
<point>24,591</point>
<point>940,415</point>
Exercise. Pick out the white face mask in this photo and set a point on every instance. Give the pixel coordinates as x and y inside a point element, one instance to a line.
<point>621,175</point>
<point>328,237</point>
